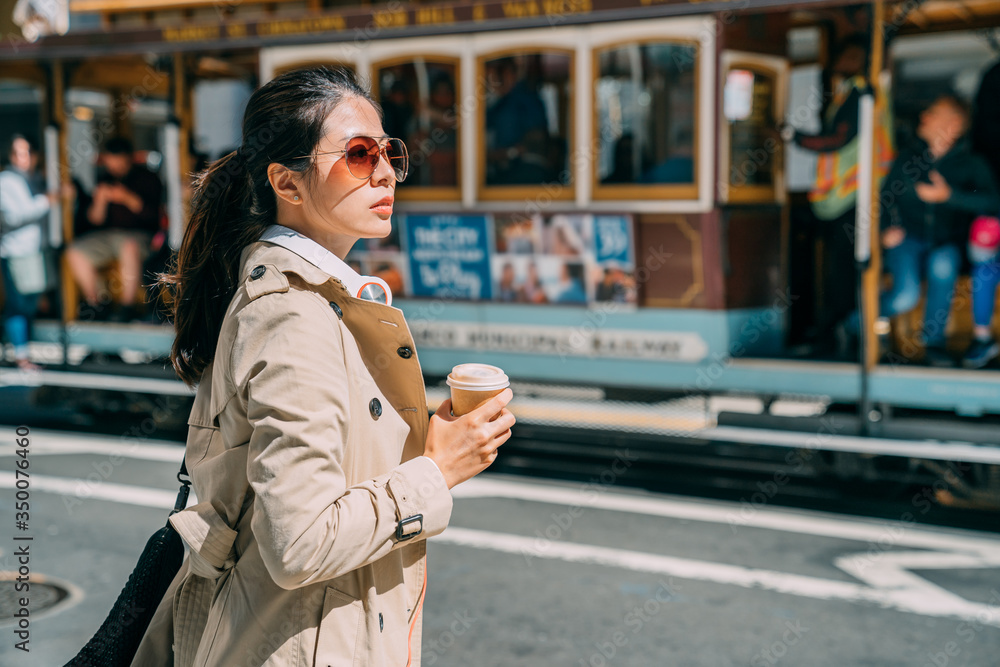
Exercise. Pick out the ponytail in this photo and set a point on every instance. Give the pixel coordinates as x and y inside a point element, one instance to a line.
<point>233,204</point>
<point>206,271</point>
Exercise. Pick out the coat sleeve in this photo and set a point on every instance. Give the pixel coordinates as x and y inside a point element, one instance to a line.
<point>17,204</point>
<point>980,196</point>
<point>288,359</point>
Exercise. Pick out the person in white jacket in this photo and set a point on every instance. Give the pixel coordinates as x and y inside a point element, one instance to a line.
<point>22,223</point>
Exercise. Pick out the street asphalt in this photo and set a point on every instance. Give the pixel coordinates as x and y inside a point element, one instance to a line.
<point>540,573</point>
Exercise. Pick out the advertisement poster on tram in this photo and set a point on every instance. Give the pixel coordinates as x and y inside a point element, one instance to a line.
<point>563,259</point>
<point>573,259</point>
<point>449,256</point>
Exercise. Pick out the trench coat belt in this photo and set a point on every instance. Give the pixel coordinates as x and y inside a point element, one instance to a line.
<point>210,539</point>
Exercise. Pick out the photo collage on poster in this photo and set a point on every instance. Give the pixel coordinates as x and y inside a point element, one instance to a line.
<point>560,258</point>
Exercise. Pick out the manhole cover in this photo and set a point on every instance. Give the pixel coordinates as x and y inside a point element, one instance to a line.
<point>43,595</point>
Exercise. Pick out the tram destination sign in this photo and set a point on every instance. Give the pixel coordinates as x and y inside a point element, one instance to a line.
<point>360,25</point>
<point>585,340</point>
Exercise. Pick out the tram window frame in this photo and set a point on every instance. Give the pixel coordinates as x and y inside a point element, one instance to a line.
<point>428,192</point>
<point>283,68</point>
<point>548,191</point>
<point>779,71</point>
<point>636,191</point>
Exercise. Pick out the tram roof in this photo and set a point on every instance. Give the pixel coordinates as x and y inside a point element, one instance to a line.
<point>404,20</point>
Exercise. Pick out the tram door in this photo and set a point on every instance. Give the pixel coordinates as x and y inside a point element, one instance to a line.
<point>753,193</point>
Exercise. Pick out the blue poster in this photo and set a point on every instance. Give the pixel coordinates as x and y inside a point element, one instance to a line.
<point>449,256</point>
<point>613,239</point>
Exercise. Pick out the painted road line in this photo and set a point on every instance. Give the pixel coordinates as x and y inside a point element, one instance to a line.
<point>140,385</point>
<point>83,490</point>
<point>889,583</point>
<point>600,496</point>
<point>133,446</point>
<point>925,600</point>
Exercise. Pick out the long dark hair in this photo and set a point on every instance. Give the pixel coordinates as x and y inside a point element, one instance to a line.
<point>233,203</point>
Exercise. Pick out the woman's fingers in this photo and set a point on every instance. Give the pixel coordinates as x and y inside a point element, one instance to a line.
<point>490,408</point>
<point>504,421</point>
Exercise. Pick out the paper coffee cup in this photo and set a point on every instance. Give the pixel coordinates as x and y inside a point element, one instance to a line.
<point>474,384</point>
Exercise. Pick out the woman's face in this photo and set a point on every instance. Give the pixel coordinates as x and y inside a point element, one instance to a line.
<point>338,206</point>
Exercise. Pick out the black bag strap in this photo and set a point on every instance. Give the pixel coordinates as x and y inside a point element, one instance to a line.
<point>182,493</point>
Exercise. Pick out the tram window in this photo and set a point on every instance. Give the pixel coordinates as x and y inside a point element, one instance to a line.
<point>645,103</point>
<point>749,106</point>
<point>419,105</point>
<point>527,120</point>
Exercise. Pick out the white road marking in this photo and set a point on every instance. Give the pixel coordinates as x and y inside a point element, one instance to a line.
<point>921,598</point>
<point>885,573</point>
<point>895,533</point>
<point>86,489</point>
<point>136,446</point>
<point>97,381</point>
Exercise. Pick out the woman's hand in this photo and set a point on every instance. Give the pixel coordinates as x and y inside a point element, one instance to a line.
<point>462,447</point>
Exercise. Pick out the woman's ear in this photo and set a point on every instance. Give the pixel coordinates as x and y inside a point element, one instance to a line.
<point>285,183</point>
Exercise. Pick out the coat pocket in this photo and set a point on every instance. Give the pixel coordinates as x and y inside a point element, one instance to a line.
<point>339,630</point>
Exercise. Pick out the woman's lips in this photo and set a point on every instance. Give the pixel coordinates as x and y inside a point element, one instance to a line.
<point>383,206</point>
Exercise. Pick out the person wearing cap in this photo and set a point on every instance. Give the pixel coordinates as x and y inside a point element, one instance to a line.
<point>928,199</point>
<point>984,253</point>
<point>125,214</point>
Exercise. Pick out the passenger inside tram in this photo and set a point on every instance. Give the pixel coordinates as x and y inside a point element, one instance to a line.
<point>935,187</point>
<point>834,192</point>
<point>125,215</point>
<point>517,127</point>
<point>24,208</point>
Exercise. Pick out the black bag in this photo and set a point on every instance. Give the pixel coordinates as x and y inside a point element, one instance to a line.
<point>115,643</point>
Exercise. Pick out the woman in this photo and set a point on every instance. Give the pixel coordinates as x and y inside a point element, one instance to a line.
<point>317,473</point>
<point>23,214</point>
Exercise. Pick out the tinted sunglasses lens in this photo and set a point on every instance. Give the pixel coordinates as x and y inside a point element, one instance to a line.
<point>395,152</point>
<point>362,156</point>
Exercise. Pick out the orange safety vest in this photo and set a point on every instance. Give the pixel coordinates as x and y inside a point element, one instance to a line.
<point>835,191</point>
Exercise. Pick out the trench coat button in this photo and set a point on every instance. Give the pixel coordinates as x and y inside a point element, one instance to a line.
<point>336,309</point>
<point>380,623</point>
<point>405,352</point>
<point>258,272</point>
<point>375,407</point>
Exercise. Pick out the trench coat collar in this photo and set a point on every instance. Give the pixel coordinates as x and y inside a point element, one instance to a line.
<point>318,256</point>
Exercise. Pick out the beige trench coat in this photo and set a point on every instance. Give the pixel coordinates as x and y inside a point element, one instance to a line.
<point>304,448</point>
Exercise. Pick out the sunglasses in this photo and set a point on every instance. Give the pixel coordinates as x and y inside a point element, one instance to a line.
<point>363,153</point>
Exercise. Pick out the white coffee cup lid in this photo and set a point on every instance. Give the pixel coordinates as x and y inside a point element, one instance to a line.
<point>477,377</point>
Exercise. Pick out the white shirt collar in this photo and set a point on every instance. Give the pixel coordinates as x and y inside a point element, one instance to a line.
<point>320,257</point>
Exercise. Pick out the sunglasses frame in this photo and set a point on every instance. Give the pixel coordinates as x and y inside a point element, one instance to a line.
<point>382,155</point>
